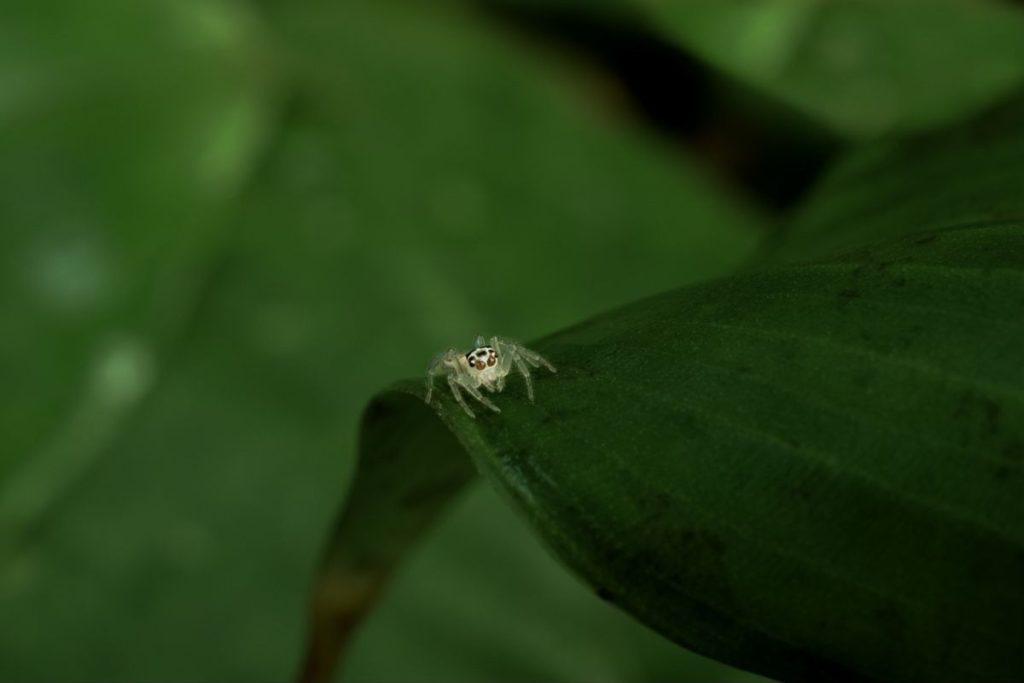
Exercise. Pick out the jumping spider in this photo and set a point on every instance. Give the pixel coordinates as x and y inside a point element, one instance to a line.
<point>484,366</point>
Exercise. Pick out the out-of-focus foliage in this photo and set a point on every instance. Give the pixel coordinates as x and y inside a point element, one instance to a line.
<point>224,226</point>
<point>125,133</point>
<point>864,67</point>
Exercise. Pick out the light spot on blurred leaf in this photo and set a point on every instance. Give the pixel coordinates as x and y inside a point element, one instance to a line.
<point>69,271</point>
<point>123,372</point>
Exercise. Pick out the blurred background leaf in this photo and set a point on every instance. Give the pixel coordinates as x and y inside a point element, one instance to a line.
<point>125,134</point>
<point>200,302</point>
<point>862,67</point>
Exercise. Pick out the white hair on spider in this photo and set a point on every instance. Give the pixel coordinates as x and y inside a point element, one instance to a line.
<point>485,366</point>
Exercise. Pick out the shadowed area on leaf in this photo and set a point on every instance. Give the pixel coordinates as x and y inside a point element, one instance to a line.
<point>410,467</point>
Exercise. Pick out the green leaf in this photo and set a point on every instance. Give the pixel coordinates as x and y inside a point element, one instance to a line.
<point>810,472</point>
<point>862,67</point>
<point>441,607</point>
<point>112,176</point>
<point>967,175</point>
<point>814,471</point>
<point>418,189</point>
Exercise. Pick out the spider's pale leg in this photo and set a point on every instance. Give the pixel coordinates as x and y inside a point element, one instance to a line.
<point>501,344</point>
<point>436,368</point>
<point>525,371</point>
<point>483,399</point>
<point>518,350</point>
<point>458,396</point>
<point>536,360</point>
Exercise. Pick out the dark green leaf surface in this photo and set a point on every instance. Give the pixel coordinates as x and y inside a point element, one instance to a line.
<point>963,176</point>
<point>815,472</point>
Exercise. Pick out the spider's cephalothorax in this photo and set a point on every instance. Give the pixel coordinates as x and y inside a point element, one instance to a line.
<point>482,357</point>
<point>485,366</point>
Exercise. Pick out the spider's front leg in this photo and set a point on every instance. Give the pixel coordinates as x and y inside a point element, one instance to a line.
<point>533,358</point>
<point>430,386</point>
<point>454,385</point>
<point>443,364</point>
<point>475,393</point>
<point>516,354</point>
<point>525,372</point>
<point>437,367</point>
<point>460,379</point>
